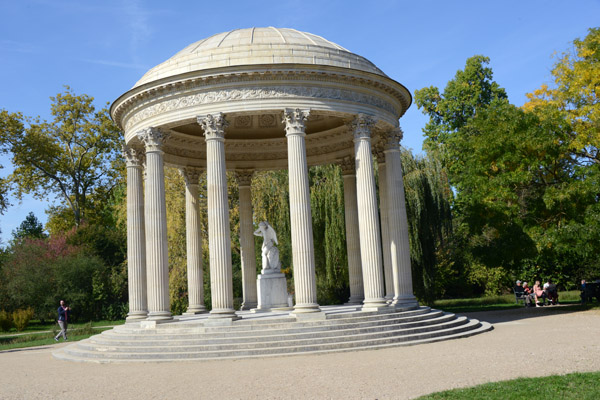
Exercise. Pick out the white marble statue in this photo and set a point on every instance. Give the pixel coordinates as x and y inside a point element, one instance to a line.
<point>270,253</point>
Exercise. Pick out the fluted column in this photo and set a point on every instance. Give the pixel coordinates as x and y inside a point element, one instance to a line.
<point>157,259</point>
<point>136,236</point>
<point>368,221</point>
<point>219,236</point>
<point>301,218</point>
<point>357,294</point>
<point>385,238</point>
<point>398,222</point>
<point>193,241</point>
<point>248,256</point>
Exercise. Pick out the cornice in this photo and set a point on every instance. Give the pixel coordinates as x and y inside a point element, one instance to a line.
<point>188,83</point>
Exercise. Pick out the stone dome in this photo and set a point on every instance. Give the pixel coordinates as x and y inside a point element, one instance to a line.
<point>258,46</point>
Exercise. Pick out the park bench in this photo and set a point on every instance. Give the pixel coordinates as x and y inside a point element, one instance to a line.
<point>590,291</point>
<point>519,295</point>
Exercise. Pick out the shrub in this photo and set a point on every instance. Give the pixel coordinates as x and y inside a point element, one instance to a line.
<point>21,318</point>
<point>5,321</point>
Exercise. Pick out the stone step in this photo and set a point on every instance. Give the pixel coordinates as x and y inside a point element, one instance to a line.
<point>76,353</point>
<point>345,330</point>
<point>195,326</point>
<point>270,330</point>
<point>205,344</point>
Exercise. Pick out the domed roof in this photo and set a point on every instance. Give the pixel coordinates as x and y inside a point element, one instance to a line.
<point>258,46</point>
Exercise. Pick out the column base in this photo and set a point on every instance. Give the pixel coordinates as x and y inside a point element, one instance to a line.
<point>223,313</point>
<point>306,308</point>
<point>159,316</point>
<point>354,300</point>
<point>136,316</point>
<point>248,306</point>
<point>374,304</point>
<point>405,301</point>
<point>193,310</point>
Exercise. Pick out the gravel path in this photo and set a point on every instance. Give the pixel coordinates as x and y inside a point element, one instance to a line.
<point>535,342</point>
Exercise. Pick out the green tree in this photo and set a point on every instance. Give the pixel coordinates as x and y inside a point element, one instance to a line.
<point>428,200</point>
<point>31,227</point>
<point>575,96</point>
<point>74,156</point>
<point>471,90</point>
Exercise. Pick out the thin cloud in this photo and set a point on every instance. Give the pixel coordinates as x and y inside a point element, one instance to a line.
<point>139,26</point>
<point>18,47</point>
<point>117,64</point>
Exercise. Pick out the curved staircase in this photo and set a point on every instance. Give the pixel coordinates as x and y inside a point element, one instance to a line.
<point>338,328</point>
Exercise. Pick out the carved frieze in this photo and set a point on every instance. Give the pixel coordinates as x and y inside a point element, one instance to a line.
<point>178,100</point>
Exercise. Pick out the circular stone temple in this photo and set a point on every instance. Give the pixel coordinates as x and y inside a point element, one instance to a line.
<point>263,99</point>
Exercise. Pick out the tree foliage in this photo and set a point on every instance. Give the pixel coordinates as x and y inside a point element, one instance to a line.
<point>525,180</point>
<point>428,198</point>
<point>575,96</point>
<point>31,227</point>
<point>74,156</point>
<point>471,90</point>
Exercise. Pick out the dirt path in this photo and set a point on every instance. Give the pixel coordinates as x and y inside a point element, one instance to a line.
<point>557,342</point>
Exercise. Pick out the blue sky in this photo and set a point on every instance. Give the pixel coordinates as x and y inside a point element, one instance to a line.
<point>102,48</point>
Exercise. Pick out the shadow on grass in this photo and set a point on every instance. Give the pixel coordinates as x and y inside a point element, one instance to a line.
<point>500,315</point>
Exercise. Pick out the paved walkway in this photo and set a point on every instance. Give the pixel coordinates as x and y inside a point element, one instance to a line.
<point>555,341</point>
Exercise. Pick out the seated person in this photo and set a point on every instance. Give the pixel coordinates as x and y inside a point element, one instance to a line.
<point>527,295</point>
<point>551,292</point>
<point>518,289</point>
<point>585,293</point>
<point>539,294</point>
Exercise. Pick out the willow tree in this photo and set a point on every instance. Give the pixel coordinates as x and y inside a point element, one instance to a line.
<point>428,199</point>
<point>331,262</point>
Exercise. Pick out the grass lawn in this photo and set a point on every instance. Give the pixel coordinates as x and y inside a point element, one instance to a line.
<point>36,326</point>
<point>38,334</point>
<point>573,386</point>
<point>43,339</point>
<point>505,302</point>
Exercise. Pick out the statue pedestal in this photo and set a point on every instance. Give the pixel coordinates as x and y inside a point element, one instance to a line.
<point>271,292</point>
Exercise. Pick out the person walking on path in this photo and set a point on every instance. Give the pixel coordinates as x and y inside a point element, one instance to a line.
<point>64,313</point>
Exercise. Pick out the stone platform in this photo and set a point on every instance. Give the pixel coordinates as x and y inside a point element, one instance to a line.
<point>338,328</point>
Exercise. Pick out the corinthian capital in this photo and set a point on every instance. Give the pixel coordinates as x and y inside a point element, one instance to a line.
<point>133,158</point>
<point>244,177</point>
<point>378,149</point>
<point>348,165</point>
<point>213,125</point>
<point>393,138</point>
<point>361,126</point>
<point>295,121</point>
<point>191,175</point>
<point>153,138</point>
